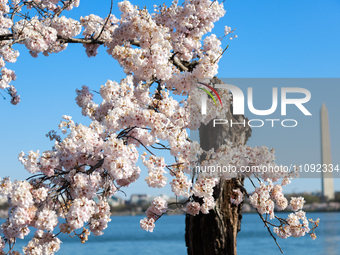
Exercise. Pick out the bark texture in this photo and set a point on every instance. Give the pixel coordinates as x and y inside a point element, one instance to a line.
<point>216,232</point>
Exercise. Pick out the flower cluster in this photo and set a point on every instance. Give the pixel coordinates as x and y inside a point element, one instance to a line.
<point>237,197</point>
<point>193,208</point>
<point>66,27</point>
<point>297,203</point>
<point>180,185</point>
<point>163,54</point>
<point>42,243</point>
<point>203,187</point>
<point>157,209</point>
<point>38,33</point>
<point>296,225</point>
<point>25,212</point>
<point>263,198</point>
<point>156,178</point>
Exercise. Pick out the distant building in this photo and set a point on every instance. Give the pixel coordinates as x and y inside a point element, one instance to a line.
<point>327,176</point>
<point>3,199</point>
<point>140,199</point>
<point>116,201</point>
<point>164,196</point>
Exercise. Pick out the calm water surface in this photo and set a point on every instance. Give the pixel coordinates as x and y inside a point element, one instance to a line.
<point>123,237</point>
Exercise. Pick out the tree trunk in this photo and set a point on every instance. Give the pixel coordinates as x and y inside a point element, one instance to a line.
<point>216,232</point>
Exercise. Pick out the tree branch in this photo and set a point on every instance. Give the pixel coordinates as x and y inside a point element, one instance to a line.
<point>79,40</point>
<point>268,228</point>
<point>98,165</point>
<point>178,63</point>
<point>61,39</point>
<point>6,37</point>
<point>63,8</point>
<point>108,16</point>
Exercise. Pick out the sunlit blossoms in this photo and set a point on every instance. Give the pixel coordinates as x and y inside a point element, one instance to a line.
<point>193,208</point>
<point>296,225</point>
<point>42,243</point>
<point>237,197</point>
<point>163,55</point>
<point>297,203</point>
<point>147,224</point>
<point>180,185</point>
<point>46,220</point>
<point>158,207</point>
<point>156,210</point>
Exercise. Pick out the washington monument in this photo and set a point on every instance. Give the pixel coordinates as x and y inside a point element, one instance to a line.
<point>327,177</point>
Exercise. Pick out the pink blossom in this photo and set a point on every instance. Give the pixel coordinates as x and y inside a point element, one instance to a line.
<point>237,197</point>
<point>193,208</point>
<point>147,224</point>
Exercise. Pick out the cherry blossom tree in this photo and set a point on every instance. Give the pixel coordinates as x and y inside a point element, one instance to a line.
<point>163,54</point>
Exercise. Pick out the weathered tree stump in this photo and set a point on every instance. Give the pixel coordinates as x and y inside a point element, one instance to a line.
<point>216,232</point>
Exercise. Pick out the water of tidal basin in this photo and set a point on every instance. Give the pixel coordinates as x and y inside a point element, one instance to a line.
<point>124,237</point>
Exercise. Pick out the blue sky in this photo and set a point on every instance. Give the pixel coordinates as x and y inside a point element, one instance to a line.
<point>276,39</point>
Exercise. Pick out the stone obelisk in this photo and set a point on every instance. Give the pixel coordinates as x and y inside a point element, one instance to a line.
<point>327,177</point>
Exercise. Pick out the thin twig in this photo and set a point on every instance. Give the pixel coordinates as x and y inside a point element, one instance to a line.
<point>108,16</point>
<point>268,228</point>
<point>63,8</point>
<point>141,144</point>
<point>221,54</point>
<point>98,165</point>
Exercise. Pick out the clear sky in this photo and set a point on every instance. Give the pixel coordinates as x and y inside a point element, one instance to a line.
<point>276,39</point>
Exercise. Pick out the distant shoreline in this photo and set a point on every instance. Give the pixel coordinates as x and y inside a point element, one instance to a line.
<point>246,209</point>
<point>2,216</point>
<point>252,212</point>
